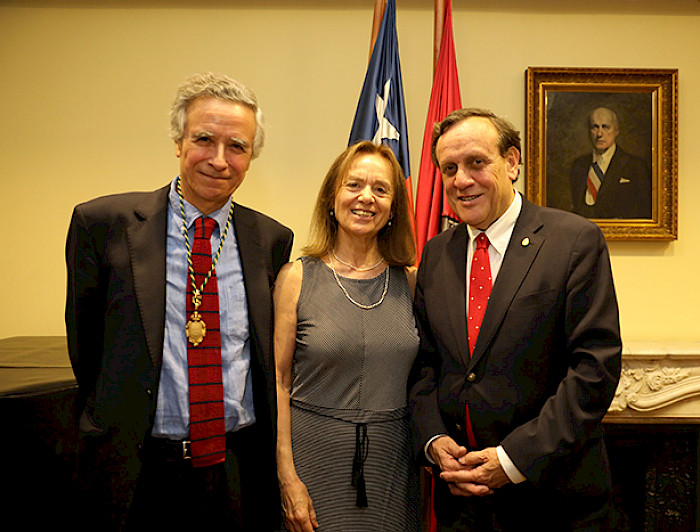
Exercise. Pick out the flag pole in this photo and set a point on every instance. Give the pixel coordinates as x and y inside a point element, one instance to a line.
<point>379,7</point>
<point>439,26</point>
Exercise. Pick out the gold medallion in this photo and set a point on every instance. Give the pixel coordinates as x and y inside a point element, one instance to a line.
<point>196,329</point>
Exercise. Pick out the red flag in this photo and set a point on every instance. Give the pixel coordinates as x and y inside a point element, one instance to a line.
<point>432,211</point>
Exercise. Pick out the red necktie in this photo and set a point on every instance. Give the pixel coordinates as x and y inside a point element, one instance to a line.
<point>206,389</point>
<point>479,292</point>
<point>479,289</point>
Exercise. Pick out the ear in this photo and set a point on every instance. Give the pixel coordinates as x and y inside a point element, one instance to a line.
<point>178,149</point>
<point>512,162</point>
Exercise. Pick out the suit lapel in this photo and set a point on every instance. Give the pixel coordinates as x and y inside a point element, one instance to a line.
<point>254,273</point>
<point>581,183</point>
<point>522,249</point>
<point>616,170</point>
<point>146,234</point>
<point>454,285</point>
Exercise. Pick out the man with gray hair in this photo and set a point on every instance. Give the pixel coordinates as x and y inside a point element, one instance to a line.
<point>609,182</point>
<point>168,315</point>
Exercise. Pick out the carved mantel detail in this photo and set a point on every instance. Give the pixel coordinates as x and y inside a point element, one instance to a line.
<point>660,383</point>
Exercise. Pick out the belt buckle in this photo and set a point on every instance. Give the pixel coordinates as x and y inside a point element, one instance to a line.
<point>186,454</point>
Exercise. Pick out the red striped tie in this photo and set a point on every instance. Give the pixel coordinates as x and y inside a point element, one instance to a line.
<point>206,389</point>
<point>479,292</point>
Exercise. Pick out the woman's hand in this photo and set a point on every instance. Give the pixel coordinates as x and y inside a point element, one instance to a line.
<point>297,507</point>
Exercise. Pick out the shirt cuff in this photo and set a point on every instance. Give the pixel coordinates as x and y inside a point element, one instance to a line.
<point>513,473</point>
<point>427,446</point>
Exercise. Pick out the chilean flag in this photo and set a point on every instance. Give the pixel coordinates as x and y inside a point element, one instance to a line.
<point>381,112</point>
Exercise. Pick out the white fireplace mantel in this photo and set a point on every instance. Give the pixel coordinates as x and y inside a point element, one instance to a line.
<point>660,383</point>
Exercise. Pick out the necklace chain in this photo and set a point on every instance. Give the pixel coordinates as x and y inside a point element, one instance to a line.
<point>360,305</point>
<point>198,291</point>
<point>354,267</point>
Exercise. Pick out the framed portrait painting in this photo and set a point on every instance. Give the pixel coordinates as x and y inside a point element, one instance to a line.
<point>603,143</point>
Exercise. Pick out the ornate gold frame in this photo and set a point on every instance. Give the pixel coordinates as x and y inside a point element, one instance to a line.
<point>661,85</point>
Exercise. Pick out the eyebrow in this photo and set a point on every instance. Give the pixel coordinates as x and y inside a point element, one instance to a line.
<point>209,134</point>
<point>350,177</point>
<point>240,141</point>
<point>202,133</point>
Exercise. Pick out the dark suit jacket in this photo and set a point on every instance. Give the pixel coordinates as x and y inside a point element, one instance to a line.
<point>624,193</point>
<point>545,366</point>
<point>115,315</point>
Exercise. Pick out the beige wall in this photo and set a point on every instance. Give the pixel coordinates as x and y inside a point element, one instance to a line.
<point>84,97</point>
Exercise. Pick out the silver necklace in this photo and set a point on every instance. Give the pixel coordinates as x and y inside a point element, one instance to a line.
<point>354,267</point>
<point>360,305</point>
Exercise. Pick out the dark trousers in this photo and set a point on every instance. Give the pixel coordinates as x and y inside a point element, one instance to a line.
<point>232,496</point>
<point>513,509</point>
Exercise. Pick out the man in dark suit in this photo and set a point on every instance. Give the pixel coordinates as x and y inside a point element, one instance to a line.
<point>129,265</point>
<point>509,413</point>
<point>609,183</point>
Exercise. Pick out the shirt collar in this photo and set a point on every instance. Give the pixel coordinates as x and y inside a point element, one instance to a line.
<point>604,159</point>
<point>192,212</point>
<point>500,231</point>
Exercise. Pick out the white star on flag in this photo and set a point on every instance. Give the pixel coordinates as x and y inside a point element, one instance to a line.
<point>385,130</point>
<point>381,114</point>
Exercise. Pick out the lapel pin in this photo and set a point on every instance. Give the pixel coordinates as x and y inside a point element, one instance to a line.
<point>525,242</point>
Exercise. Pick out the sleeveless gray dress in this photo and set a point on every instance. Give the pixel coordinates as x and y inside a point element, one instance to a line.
<point>349,419</point>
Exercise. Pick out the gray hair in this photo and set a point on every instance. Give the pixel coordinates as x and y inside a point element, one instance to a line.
<point>215,86</point>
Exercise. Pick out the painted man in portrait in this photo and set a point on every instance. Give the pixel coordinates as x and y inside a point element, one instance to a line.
<point>609,182</point>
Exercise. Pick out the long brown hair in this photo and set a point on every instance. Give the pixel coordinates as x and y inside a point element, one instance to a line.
<point>395,240</point>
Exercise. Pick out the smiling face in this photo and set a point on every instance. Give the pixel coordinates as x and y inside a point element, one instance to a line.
<point>215,151</point>
<point>477,179</point>
<point>603,129</point>
<point>364,197</point>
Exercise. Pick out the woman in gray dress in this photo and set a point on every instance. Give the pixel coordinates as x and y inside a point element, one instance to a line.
<point>345,340</point>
